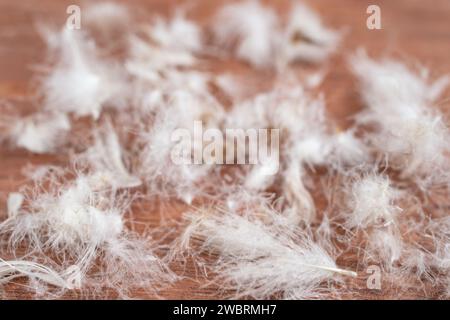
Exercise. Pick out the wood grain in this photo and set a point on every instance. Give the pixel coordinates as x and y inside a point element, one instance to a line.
<point>413,30</point>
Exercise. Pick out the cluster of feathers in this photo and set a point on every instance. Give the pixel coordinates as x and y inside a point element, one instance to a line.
<point>384,180</point>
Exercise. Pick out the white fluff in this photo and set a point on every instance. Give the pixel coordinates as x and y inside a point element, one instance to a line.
<point>257,37</point>
<point>372,201</point>
<point>71,215</point>
<point>41,132</point>
<point>109,19</point>
<point>40,172</point>
<point>262,176</point>
<point>400,105</point>
<point>160,174</point>
<point>74,222</point>
<point>155,88</point>
<point>80,83</point>
<point>258,256</point>
<point>85,227</point>
<point>307,144</point>
<point>347,150</point>
<point>299,199</point>
<point>306,38</point>
<point>440,230</point>
<point>385,247</point>
<point>287,107</point>
<point>10,270</point>
<point>105,159</point>
<point>177,33</point>
<point>174,44</point>
<point>15,201</point>
<point>250,28</point>
<point>304,134</point>
<point>147,60</point>
<point>232,86</point>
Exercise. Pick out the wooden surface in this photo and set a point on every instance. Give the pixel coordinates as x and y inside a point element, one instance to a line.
<point>414,30</point>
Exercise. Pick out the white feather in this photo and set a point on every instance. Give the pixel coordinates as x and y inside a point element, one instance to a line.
<point>41,132</point>
<point>306,38</point>
<point>109,19</point>
<point>372,200</point>
<point>257,37</point>
<point>10,270</point>
<point>177,33</point>
<point>156,167</point>
<point>261,259</point>
<point>250,27</point>
<point>400,105</point>
<point>80,83</point>
<point>106,162</point>
<point>15,201</point>
<point>78,225</point>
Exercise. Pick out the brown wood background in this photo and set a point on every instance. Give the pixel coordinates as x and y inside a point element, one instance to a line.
<point>413,30</point>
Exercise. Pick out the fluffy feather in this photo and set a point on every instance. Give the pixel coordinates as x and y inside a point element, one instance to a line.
<point>174,43</point>
<point>306,38</point>
<point>15,201</point>
<point>250,28</point>
<point>177,33</point>
<point>372,201</point>
<point>305,139</point>
<point>105,159</point>
<point>259,257</point>
<point>85,227</point>
<point>10,270</point>
<point>41,132</point>
<point>108,19</point>
<point>161,175</point>
<point>80,83</point>
<point>254,33</point>
<point>400,105</point>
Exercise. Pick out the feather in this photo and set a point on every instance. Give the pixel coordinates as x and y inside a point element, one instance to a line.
<point>347,150</point>
<point>372,201</point>
<point>259,257</point>
<point>80,83</point>
<point>177,34</point>
<point>105,160</point>
<point>173,45</point>
<point>399,104</point>
<point>251,26</point>
<point>257,37</point>
<point>10,270</point>
<point>108,19</point>
<point>297,196</point>
<point>306,38</point>
<point>41,132</point>
<point>85,227</point>
<point>15,200</point>
<point>156,167</point>
<point>305,140</point>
